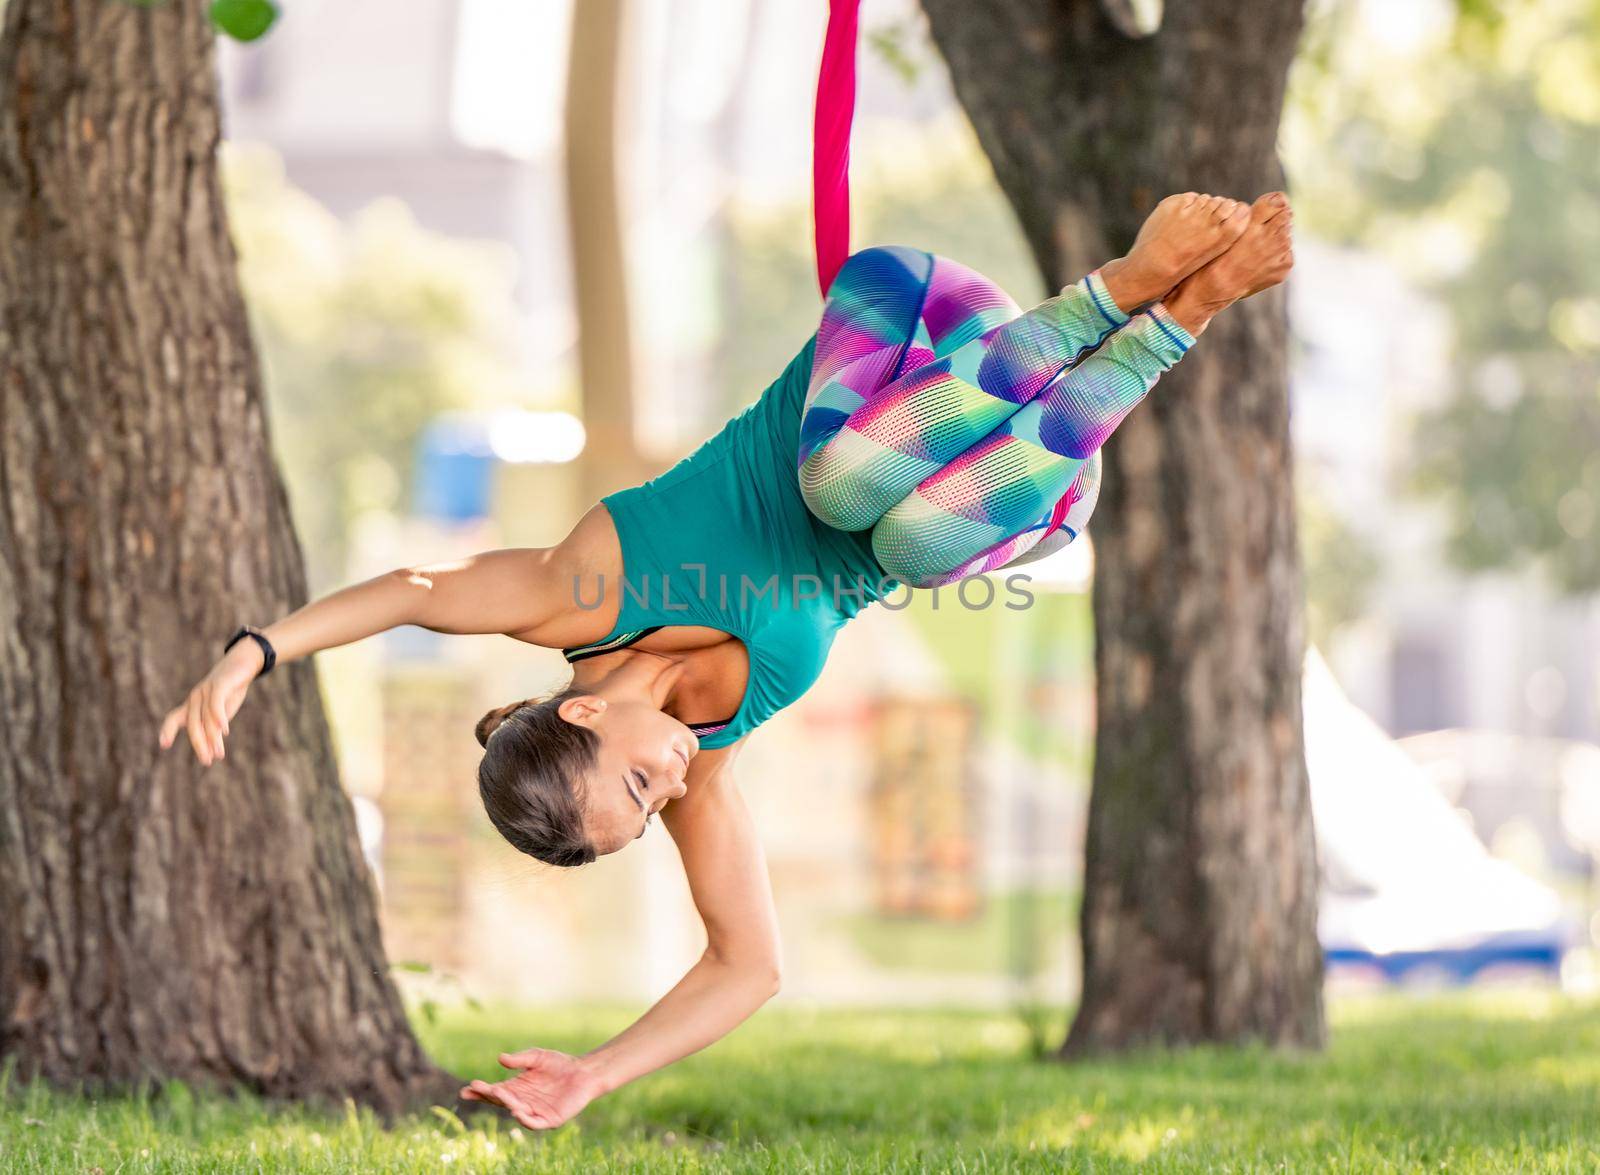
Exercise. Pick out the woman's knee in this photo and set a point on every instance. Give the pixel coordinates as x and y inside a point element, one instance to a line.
<point>836,485</point>
<point>963,306</point>
<point>921,543</point>
<point>888,270</point>
<point>893,554</point>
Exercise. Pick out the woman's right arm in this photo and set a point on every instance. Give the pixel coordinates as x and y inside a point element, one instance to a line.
<point>738,971</point>
<point>512,591</point>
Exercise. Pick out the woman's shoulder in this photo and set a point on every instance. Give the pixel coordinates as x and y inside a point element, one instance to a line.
<point>579,571</point>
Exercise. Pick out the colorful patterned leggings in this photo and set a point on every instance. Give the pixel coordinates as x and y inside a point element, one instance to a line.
<point>964,432</point>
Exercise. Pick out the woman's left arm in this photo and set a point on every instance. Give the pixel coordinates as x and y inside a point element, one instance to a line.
<point>738,972</point>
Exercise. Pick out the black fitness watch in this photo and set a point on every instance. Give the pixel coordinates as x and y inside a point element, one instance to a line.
<point>267,651</point>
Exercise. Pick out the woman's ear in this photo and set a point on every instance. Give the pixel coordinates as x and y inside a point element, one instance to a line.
<point>583,710</point>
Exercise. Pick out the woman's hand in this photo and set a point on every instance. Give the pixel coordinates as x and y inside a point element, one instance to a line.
<point>216,699</point>
<point>551,1088</point>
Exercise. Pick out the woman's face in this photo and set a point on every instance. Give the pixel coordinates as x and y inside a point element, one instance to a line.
<point>643,759</point>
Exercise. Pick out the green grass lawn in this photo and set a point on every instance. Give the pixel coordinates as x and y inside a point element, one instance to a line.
<point>1485,1082</point>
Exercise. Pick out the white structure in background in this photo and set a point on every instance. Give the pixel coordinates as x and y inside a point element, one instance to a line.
<point>1402,871</point>
<point>1438,648</point>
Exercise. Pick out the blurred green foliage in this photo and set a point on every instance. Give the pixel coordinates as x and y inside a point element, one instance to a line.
<point>901,44</point>
<point>1042,636</point>
<point>367,330</point>
<point>1341,565</point>
<point>982,945</point>
<point>1470,153</point>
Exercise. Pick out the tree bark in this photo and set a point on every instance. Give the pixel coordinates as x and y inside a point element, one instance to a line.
<point>1199,913</point>
<point>161,920</point>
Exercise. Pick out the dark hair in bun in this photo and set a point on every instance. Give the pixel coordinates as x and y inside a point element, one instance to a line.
<point>531,776</point>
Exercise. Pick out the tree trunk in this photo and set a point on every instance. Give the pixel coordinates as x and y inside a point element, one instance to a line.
<point>161,920</point>
<point>1199,913</point>
<point>611,458</point>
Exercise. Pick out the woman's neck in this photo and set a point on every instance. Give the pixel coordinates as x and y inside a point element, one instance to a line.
<point>639,672</point>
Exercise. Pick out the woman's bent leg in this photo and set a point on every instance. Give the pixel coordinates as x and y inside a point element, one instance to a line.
<point>871,327</point>
<point>871,447</point>
<point>1050,532</point>
<point>890,310</point>
<point>1069,519</point>
<point>977,512</point>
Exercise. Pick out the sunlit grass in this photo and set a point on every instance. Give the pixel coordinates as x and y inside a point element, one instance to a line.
<point>1480,1082</point>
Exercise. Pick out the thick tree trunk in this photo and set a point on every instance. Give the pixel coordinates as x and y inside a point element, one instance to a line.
<point>1199,917</point>
<point>611,459</point>
<point>161,920</point>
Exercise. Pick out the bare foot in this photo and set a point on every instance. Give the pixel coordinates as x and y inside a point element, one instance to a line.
<point>1260,258</point>
<point>1182,234</point>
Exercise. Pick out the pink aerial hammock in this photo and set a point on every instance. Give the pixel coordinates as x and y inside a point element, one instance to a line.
<point>830,160</point>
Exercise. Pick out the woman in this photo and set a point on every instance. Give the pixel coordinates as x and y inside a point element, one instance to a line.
<point>938,433</point>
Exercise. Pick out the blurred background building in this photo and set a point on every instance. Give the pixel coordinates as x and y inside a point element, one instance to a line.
<point>400,209</point>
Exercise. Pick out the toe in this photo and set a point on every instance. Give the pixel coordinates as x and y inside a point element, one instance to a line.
<point>1273,205</point>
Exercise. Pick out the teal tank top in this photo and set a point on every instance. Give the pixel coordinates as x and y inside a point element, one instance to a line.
<point>723,539</point>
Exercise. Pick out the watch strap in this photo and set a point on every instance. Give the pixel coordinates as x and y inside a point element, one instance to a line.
<point>268,653</point>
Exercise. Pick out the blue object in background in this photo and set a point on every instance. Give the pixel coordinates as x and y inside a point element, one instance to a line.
<point>454,476</point>
<point>1542,950</point>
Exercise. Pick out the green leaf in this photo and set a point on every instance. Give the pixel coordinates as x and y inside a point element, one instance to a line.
<point>243,20</point>
<point>893,44</point>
